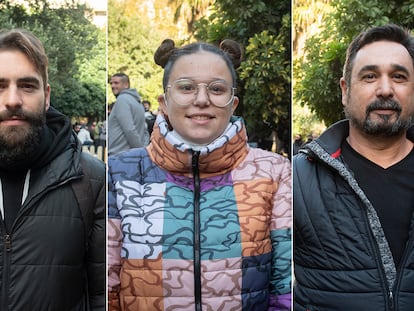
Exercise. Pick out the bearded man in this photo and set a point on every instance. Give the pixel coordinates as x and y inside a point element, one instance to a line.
<point>52,235</point>
<point>353,186</point>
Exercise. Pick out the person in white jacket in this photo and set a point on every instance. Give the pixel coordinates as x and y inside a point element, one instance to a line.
<point>84,136</point>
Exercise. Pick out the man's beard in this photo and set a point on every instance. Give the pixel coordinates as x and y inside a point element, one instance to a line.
<point>386,127</point>
<point>18,142</point>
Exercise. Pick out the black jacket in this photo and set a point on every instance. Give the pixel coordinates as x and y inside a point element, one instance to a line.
<point>342,259</point>
<point>47,260</point>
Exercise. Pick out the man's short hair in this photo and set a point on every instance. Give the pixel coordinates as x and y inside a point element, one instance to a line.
<point>27,43</point>
<point>390,32</point>
<point>123,76</point>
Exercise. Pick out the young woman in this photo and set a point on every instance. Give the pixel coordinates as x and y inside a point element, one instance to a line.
<point>198,220</point>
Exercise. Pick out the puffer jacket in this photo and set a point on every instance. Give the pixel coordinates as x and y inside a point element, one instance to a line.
<point>47,261</point>
<point>205,230</point>
<point>342,259</point>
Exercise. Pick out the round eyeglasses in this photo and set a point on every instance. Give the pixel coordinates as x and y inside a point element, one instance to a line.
<point>184,92</point>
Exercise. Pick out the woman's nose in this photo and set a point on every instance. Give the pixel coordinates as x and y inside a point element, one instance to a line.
<point>201,97</point>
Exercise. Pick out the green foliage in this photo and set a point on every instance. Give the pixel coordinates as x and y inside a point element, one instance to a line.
<point>304,122</point>
<point>318,73</point>
<point>242,19</point>
<point>70,41</point>
<point>263,27</point>
<point>92,75</point>
<point>132,42</point>
<point>266,75</point>
<point>320,83</point>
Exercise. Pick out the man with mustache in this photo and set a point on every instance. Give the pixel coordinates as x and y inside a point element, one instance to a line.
<point>52,196</point>
<point>354,189</point>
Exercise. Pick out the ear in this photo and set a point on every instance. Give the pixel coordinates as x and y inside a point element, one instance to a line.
<point>235,103</point>
<point>344,89</point>
<point>47,98</point>
<point>163,103</point>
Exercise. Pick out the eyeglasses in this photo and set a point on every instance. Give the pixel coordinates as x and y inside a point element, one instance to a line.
<point>184,92</point>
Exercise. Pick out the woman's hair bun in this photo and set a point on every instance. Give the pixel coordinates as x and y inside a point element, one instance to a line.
<point>164,51</point>
<point>233,50</point>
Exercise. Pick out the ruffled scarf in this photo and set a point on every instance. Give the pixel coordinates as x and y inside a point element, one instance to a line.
<point>216,158</point>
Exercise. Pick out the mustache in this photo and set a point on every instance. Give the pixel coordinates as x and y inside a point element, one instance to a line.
<point>19,113</point>
<point>385,104</point>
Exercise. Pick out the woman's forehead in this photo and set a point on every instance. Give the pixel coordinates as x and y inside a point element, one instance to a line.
<point>201,63</point>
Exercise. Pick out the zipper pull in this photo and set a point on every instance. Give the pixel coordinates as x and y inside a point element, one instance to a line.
<point>391,297</point>
<point>7,242</point>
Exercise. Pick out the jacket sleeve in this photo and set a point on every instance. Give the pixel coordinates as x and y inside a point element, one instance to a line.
<point>280,289</point>
<point>114,248</point>
<point>96,243</point>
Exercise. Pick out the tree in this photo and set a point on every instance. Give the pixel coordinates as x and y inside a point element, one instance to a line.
<point>266,76</point>
<point>134,33</point>
<point>92,76</point>
<point>318,73</point>
<point>308,16</point>
<point>263,27</point>
<point>190,10</point>
<point>70,40</point>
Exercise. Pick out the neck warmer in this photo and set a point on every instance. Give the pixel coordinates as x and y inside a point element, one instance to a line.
<point>216,158</point>
<point>193,146</point>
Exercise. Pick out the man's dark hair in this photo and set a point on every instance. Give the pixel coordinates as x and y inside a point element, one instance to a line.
<point>390,32</point>
<point>123,76</point>
<point>26,42</point>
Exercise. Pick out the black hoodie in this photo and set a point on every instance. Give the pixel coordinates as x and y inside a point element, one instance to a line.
<point>54,139</point>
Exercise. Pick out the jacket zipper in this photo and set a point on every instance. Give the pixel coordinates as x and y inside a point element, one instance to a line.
<point>391,301</point>
<point>197,256</point>
<point>7,241</point>
<point>389,294</point>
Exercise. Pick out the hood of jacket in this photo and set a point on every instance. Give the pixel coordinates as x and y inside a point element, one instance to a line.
<point>130,92</point>
<point>216,158</point>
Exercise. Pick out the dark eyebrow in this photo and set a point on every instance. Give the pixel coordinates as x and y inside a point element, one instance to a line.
<point>401,68</point>
<point>396,67</point>
<point>368,68</point>
<point>32,80</point>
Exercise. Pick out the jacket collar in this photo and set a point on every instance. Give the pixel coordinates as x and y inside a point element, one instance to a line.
<point>217,158</point>
<point>331,140</point>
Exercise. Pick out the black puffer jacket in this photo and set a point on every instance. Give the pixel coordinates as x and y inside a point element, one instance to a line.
<point>342,259</point>
<point>47,261</point>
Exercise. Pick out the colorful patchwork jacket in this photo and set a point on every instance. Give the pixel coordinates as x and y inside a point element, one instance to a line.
<point>199,230</point>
